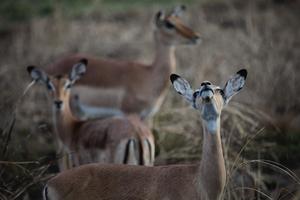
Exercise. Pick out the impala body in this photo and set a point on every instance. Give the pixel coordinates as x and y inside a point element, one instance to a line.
<point>121,139</point>
<point>203,181</point>
<point>127,85</point>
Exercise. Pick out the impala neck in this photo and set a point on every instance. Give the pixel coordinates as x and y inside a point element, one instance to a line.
<point>163,65</point>
<point>212,167</point>
<point>164,61</point>
<point>65,122</point>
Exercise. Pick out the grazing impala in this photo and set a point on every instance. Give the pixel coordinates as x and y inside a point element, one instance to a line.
<point>131,86</point>
<point>203,181</point>
<point>114,140</point>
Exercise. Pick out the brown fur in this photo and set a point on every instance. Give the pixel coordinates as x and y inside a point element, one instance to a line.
<point>124,182</point>
<point>139,88</point>
<point>118,182</point>
<point>203,181</point>
<point>103,140</point>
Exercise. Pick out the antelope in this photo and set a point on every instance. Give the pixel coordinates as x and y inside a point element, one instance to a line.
<point>121,139</point>
<point>203,181</point>
<point>130,86</point>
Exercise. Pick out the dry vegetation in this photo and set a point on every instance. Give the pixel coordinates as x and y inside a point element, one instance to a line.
<point>261,124</point>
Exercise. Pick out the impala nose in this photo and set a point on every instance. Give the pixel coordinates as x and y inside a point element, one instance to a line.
<point>196,39</point>
<point>206,91</point>
<point>205,83</point>
<point>58,104</point>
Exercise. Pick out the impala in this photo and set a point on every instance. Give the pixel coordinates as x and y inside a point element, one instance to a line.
<point>120,140</point>
<point>203,181</point>
<point>131,86</point>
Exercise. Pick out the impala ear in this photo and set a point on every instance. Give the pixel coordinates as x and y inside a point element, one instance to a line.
<point>159,18</point>
<point>234,85</point>
<point>78,70</point>
<point>182,87</point>
<point>178,10</point>
<point>38,75</point>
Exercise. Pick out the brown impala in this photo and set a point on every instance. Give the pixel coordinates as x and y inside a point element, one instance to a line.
<point>203,181</point>
<point>122,140</point>
<point>131,86</point>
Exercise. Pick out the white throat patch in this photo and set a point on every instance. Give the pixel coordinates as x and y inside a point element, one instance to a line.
<point>212,126</point>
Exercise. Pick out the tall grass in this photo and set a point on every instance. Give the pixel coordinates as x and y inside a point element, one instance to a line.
<point>17,176</point>
<point>257,35</point>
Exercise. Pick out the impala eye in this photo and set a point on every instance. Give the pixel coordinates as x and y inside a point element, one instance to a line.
<point>50,86</point>
<point>68,86</point>
<point>169,25</point>
<point>196,94</point>
<point>220,91</point>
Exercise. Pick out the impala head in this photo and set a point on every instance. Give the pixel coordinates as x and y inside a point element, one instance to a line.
<point>58,86</point>
<point>210,99</point>
<point>172,31</point>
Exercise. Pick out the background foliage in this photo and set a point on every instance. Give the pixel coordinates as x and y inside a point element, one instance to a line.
<point>261,127</point>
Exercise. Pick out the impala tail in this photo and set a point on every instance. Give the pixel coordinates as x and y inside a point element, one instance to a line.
<point>138,153</point>
<point>132,153</point>
<point>49,193</point>
<point>148,153</point>
<point>45,193</point>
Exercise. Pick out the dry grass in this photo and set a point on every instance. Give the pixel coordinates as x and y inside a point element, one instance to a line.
<point>258,35</point>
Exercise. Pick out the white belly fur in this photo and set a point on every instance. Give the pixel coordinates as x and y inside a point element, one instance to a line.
<point>99,96</point>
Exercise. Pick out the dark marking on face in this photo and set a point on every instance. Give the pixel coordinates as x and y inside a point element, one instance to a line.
<point>169,25</point>
<point>58,104</point>
<point>220,91</point>
<point>58,77</point>
<point>68,86</point>
<point>49,84</point>
<point>205,83</point>
<point>196,94</point>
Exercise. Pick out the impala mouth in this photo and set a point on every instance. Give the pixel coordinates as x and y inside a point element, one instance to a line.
<point>195,40</point>
<point>192,41</point>
<point>207,94</point>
